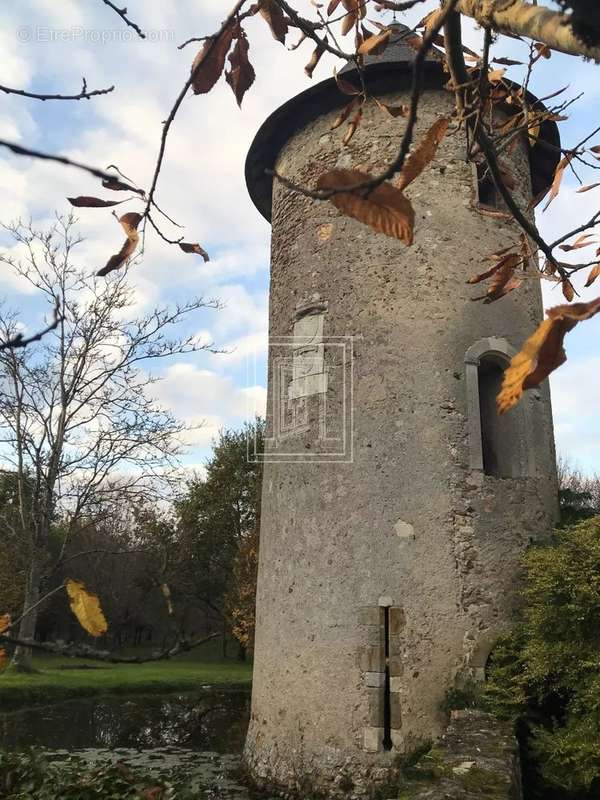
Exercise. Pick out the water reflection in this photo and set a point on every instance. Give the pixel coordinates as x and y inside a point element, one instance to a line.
<point>213,720</point>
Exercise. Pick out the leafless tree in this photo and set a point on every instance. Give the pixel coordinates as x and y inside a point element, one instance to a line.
<point>479,87</point>
<point>79,427</point>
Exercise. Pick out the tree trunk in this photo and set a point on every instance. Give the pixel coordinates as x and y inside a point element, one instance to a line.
<point>22,657</point>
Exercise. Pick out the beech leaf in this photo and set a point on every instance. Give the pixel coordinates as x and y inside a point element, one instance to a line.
<point>393,111</point>
<point>241,76</point>
<point>83,201</point>
<point>543,352</point>
<point>375,45</point>
<point>385,209</point>
<point>588,188</point>
<point>594,272</point>
<point>129,223</point>
<point>558,176</point>
<point>86,607</point>
<point>115,185</point>
<point>344,114</point>
<point>314,59</point>
<point>4,622</point>
<point>187,247</point>
<point>424,153</point>
<point>274,17</point>
<point>353,125</point>
<point>209,63</point>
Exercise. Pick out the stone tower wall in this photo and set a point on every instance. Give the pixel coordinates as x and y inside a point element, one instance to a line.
<point>408,521</point>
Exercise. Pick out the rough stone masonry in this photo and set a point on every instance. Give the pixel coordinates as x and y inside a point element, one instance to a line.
<point>396,504</point>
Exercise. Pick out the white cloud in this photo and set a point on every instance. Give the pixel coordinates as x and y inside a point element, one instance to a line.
<point>207,400</point>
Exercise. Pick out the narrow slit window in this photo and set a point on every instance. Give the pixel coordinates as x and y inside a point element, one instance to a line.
<point>387,699</point>
<point>500,436</point>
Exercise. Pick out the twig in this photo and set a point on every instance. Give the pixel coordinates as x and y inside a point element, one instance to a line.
<point>179,100</point>
<point>22,341</point>
<point>122,12</point>
<point>458,71</point>
<point>83,651</point>
<point>18,150</point>
<point>84,94</point>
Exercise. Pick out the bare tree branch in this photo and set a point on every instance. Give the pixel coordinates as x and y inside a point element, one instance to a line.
<point>19,340</point>
<point>18,150</point>
<point>84,94</point>
<point>122,12</point>
<point>532,21</point>
<point>83,651</point>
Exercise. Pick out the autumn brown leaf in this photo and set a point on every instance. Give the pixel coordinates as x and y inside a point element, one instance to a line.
<point>594,272</point>
<point>273,15</point>
<point>3,659</point>
<point>504,280</point>
<point>581,241</point>
<point>4,622</point>
<point>129,223</point>
<point>241,75</point>
<point>115,185</point>
<point>568,290</point>
<point>86,607</point>
<point>558,176</point>
<point>353,125</point>
<point>209,63</point>
<point>375,45</point>
<point>333,4</point>
<point>385,208</point>
<point>188,247</point>
<point>543,352</point>
<point>344,114</point>
<point>345,86</point>
<point>83,201</point>
<point>314,59</point>
<point>424,153</point>
<point>393,111</point>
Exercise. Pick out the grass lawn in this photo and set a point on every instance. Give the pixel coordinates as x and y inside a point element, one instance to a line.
<point>52,683</point>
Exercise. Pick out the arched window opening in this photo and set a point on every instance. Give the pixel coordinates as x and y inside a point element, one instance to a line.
<point>487,194</point>
<point>500,439</point>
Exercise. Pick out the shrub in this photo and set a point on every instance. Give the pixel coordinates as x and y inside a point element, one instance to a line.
<point>547,670</point>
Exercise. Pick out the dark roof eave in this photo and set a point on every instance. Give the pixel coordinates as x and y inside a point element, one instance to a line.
<point>325,96</point>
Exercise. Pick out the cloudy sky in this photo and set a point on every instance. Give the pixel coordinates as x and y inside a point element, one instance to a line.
<point>49,46</point>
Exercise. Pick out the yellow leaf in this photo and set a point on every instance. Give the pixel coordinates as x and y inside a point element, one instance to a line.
<point>164,587</point>
<point>385,208</point>
<point>86,607</point>
<point>543,352</point>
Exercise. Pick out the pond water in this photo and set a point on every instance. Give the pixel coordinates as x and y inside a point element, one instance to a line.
<point>199,734</point>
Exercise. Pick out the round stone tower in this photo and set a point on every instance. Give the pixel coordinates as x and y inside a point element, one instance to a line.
<point>396,504</point>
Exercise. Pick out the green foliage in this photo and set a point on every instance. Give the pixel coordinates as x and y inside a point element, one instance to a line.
<point>548,669</point>
<point>220,514</point>
<point>466,693</point>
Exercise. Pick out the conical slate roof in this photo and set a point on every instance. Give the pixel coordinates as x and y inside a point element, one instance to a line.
<point>387,72</point>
